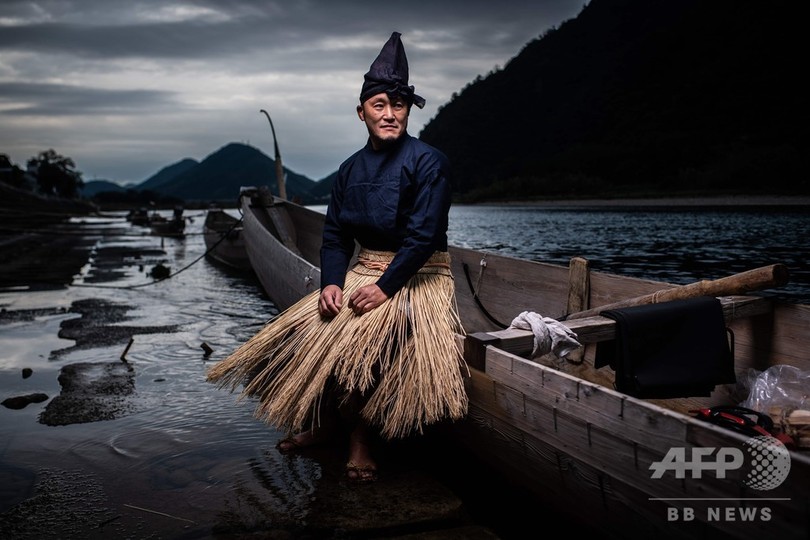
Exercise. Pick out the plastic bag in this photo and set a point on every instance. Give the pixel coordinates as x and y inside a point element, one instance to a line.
<point>782,386</point>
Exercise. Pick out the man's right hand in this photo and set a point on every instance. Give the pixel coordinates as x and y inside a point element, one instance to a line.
<point>330,301</point>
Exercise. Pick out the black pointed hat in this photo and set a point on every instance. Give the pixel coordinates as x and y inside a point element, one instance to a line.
<point>389,74</point>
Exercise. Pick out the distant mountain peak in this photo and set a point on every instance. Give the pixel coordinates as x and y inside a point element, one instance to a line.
<point>167,174</point>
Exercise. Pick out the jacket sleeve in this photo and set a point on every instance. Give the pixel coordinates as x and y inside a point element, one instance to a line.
<point>426,229</point>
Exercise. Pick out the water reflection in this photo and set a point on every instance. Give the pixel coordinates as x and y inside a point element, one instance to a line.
<point>680,245</point>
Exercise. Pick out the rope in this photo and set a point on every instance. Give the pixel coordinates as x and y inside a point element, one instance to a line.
<point>192,263</point>
<point>478,300</point>
<point>383,266</point>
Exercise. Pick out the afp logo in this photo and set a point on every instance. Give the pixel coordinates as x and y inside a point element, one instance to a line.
<point>766,467</point>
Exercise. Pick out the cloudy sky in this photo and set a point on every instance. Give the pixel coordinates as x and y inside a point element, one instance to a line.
<point>128,87</point>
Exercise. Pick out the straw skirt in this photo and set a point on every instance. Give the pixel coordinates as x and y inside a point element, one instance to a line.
<point>402,356</point>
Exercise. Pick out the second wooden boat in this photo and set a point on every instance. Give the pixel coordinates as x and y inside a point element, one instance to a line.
<point>168,226</point>
<point>224,239</point>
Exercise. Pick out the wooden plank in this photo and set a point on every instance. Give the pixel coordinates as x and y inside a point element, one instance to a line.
<point>567,444</point>
<point>581,423</point>
<point>505,286</point>
<point>597,328</point>
<point>284,276</point>
<point>579,287</point>
<point>308,226</point>
<point>578,284</point>
<point>284,227</point>
<point>566,485</point>
<point>736,309</point>
<point>790,328</point>
<point>587,402</point>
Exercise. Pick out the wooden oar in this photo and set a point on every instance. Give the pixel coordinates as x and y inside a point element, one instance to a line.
<point>775,275</point>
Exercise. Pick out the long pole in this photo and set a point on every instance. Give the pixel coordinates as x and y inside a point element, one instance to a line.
<point>765,277</point>
<point>282,188</point>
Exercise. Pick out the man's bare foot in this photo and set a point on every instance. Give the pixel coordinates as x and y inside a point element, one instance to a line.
<point>305,439</point>
<point>361,467</point>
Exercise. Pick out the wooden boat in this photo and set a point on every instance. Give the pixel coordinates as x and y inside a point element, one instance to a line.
<point>171,226</point>
<point>224,240</point>
<point>139,217</point>
<point>559,428</point>
<point>283,244</point>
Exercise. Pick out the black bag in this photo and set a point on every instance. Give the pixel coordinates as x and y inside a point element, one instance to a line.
<point>669,350</point>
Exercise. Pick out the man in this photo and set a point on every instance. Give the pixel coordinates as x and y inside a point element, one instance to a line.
<point>379,338</point>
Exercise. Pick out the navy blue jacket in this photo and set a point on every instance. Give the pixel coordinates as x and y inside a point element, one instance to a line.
<point>396,199</point>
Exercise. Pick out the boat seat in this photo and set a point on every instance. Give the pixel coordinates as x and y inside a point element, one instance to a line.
<point>597,328</point>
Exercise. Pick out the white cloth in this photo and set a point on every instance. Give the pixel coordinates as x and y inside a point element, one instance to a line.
<point>550,335</point>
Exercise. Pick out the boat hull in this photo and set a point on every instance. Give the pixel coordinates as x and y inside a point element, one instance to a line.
<point>558,428</point>
<point>286,273</point>
<point>224,240</point>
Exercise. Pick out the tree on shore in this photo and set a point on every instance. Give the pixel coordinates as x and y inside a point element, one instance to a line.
<point>56,174</point>
<point>9,173</point>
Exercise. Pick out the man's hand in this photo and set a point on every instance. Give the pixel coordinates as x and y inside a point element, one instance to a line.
<point>330,301</point>
<point>366,298</point>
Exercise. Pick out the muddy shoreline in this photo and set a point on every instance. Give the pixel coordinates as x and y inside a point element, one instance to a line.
<point>102,386</point>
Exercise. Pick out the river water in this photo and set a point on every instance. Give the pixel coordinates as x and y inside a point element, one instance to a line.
<point>185,459</point>
<point>677,244</point>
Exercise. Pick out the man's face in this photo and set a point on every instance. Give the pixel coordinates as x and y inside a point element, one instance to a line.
<point>385,117</point>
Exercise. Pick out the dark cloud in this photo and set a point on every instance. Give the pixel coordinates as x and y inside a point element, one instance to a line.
<point>153,82</point>
<point>159,40</point>
<point>40,99</point>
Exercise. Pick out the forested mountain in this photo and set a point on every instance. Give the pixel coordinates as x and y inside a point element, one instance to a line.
<point>167,174</point>
<point>217,178</point>
<point>220,175</point>
<point>638,97</point>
